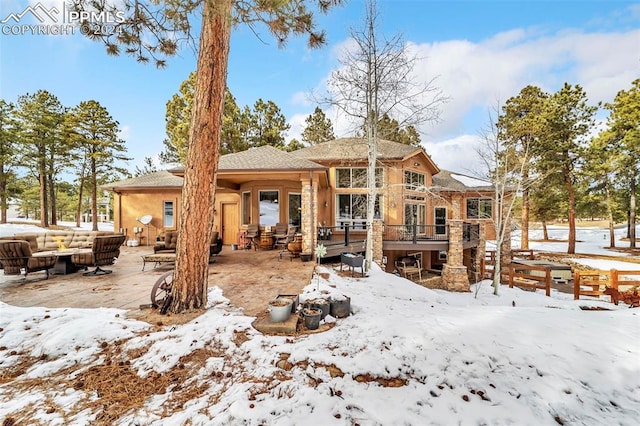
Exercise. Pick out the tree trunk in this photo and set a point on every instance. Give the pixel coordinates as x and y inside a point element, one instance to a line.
<point>94,195</point>
<point>524,226</point>
<point>44,213</point>
<point>198,192</point>
<point>609,201</point>
<point>545,231</point>
<point>632,213</point>
<point>79,207</point>
<point>52,199</point>
<point>3,195</point>
<point>572,214</point>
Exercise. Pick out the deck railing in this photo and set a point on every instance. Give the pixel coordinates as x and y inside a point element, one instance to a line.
<point>470,232</point>
<point>416,233</point>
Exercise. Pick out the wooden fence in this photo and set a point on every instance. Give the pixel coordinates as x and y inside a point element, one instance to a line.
<point>523,276</point>
<point>594,283</point>
<point>488,263</point>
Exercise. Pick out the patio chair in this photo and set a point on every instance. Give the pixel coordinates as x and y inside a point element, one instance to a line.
<point>279,232</point>
<point>105,251</point>
<point>409,266</point>
<point>16,258</point>
<point>284,240</point>
<point>251,237</point>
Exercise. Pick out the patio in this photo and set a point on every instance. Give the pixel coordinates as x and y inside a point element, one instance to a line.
<point>249,279</point>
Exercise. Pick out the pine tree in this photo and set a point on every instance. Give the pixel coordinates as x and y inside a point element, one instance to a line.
<point>318,128</point>
<point>152,31</point>
<point>95,134</point>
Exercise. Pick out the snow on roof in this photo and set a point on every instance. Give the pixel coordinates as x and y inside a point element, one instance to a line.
<point>471,182</point>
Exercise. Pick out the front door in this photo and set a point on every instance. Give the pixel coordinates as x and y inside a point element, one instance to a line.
<point>230,223</point>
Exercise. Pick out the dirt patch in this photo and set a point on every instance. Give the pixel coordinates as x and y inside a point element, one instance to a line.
<point>154,317</point>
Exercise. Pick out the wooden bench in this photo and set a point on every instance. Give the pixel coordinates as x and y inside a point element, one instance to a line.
<point>158,259</point>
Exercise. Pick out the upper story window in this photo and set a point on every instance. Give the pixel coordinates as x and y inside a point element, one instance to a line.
<point>414,180</point>
<point>479,208</point>
<point>356,177</point>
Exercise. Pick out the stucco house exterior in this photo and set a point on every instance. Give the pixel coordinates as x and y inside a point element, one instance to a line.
<point>442,217</point>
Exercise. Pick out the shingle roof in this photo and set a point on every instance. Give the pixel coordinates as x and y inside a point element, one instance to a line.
<point>161,179</point>
<point>446,180</point>
<point>265,158</point>
<point>355,149</point>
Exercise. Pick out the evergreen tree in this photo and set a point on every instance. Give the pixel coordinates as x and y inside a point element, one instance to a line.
<point>624,124</point>
<point>40,117</point>
<point>267,125</point>
<point>8,149</point>
<point>318,128</point>
<point>95,133</point>
<point>560,152</point>
<point>152,30</point>
<point>520,127</point>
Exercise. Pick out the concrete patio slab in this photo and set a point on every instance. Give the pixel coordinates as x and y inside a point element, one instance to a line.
<point>249,279</point>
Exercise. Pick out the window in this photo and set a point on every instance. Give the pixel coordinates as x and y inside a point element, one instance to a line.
<point>479,208</point>
<point>356,177</point>
<point>413,180</point>
<point>269,207</point>
<point>295,210</point>
<point>246,208</point>
<point>414,214</point>
<point>167,215</point>
<point>352,210</point>
<point>440,214</point>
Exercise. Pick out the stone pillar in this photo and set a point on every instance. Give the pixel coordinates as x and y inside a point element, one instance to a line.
<point>377,240</point>
<point>456,206</point>
<point>307,216</point>
<point>454,273</point>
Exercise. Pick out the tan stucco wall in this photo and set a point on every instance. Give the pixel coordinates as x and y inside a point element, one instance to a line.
<point>129,206</point>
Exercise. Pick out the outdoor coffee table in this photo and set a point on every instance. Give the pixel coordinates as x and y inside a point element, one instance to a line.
<point>63,264</point>
<point>158,258</point>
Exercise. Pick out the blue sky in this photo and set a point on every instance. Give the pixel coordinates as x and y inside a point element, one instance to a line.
<point>481,52</point>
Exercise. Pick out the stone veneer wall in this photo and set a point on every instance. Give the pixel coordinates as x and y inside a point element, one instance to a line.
<point>309,200</point>
<point>454,273</point>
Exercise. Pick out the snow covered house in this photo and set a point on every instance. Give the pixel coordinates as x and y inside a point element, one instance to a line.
<point>441,217</point>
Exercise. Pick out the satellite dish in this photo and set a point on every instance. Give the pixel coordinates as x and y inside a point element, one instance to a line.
<point>145,220</point>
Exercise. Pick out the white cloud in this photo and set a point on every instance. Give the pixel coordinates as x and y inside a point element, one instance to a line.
<point>458,154</point>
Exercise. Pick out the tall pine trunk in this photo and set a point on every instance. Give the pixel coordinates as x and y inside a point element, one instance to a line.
<point>198,192</point>
<point>44,206</point>
<point>94,195</point>
<point>572,213</point>
<point>609,201</point>
<point>632,213</point>
<point>545,231</point>
<point>52,200</point>
<point>524,226</point>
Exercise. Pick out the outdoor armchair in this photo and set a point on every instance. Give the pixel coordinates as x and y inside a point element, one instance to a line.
<point>16,257</point>
<point>409,266</point>
<point>105,251</point>
<point>253,232</point>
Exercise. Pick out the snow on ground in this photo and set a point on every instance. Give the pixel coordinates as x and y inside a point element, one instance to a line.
<point>518,358</point>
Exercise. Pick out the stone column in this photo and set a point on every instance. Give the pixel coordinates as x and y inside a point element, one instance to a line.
<point>456,206</point>
<point>377,240</point>
<point>309,213</point>
<point>454,273</point>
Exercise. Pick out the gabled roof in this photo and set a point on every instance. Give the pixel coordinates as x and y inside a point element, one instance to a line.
<point>161,179</point>
<point>355,149</point>
<point>261,158</point>
<point>265,158</point>
<point>446,180</point>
